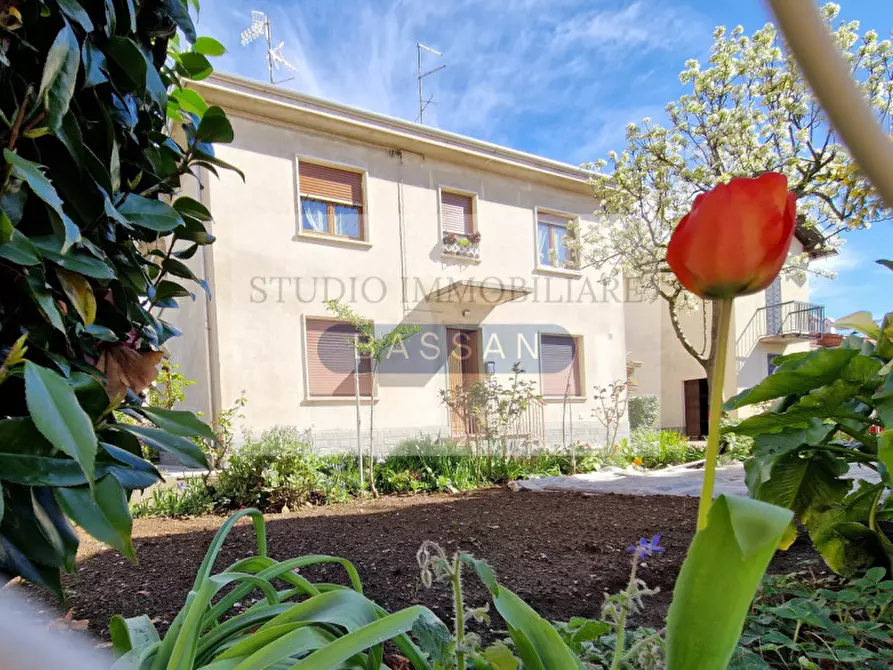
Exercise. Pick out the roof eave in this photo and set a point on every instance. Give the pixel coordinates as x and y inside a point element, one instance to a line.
<point>245,97</point>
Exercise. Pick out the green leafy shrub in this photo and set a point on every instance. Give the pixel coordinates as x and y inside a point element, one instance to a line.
<point>93,239</point>
<point>833,409</point>
<point>659,448</point>
<point>799,621</point>
<point>186,498</point>
<point>643,411</point>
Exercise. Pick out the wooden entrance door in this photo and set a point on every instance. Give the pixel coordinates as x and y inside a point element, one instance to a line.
<point>696,407</point>
<point>463,370</point>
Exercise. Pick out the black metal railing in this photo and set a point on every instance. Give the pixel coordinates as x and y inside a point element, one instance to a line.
<point>794,319</point>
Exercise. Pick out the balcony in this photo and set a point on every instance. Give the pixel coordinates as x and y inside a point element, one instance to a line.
<point>782,323</point>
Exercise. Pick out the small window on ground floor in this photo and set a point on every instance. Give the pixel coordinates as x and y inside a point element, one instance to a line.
<point>330,360</point>
<point>560,366</point>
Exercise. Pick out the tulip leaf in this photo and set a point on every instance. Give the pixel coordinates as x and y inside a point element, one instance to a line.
<point>859,321</point>
<point>719,577</point>
<point>55,411</point>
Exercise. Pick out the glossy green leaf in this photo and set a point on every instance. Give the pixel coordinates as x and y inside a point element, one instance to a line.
<point>194,65</point>
<point>129,61</point>
<point>31,174</point>
<point>189,100</point>
<point>178,422</point>
<point>180,14</point>
<point>60,75</point>
<point>19,250</point>
<point>885,455</point>
<point>55,411</point>
<point>719,577</point>
<point>801,482</point>
<point>75,260</point>
<point>214,127</point>
<point>208,46</point>
<point>44,300</point>
<point>190,207</point>
<point>186,451</point>
<point>73,10</point>
<point>152,214</point>
<point>797,375</point>
<point>95,65</point>
<point>54,525</point>
<point>104,514</point>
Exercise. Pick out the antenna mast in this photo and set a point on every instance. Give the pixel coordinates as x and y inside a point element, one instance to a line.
<point>261,26</point>
<point>423,104</point>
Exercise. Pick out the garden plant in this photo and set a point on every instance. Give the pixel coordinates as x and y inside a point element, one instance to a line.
<point>98,134</point>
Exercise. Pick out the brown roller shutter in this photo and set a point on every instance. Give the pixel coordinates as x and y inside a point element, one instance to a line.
<point>554,219</point>
<point>330,360</point>
<point>328,183</point>
<point>559,365</point>
<point>456,215</point>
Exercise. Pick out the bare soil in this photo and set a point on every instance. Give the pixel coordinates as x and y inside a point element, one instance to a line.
<point>559,551</point>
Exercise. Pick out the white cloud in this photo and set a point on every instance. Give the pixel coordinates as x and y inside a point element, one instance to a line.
<point>549,76</point>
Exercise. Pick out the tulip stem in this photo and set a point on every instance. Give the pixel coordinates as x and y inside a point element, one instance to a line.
<point>717,378</point>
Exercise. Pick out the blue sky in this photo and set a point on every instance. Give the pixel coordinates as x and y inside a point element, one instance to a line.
<point>558,78</point>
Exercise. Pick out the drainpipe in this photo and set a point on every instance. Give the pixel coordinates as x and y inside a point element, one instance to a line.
<point>210,314</point>
<point>401,227</point>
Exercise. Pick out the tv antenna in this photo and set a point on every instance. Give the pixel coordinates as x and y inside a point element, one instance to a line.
<point>261,26</point>
<point>423,104</point>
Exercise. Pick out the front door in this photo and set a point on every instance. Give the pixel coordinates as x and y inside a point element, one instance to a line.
<point>463,370</point>
<point>696,408</point>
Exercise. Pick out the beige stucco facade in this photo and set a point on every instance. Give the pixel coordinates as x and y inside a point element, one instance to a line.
<point>666,366</point>
<point>268,276</point>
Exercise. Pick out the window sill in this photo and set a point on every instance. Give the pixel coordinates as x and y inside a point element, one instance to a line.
<point>337,400</point>
<point>322,238</point>
<point>558,272</point>
<point>552,399</point>
<point>461,258</point>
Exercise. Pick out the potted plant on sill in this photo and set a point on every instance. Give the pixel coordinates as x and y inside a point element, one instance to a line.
<point>465,246</point>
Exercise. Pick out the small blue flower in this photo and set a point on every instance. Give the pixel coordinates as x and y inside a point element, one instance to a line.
<point>181,485</point>
<point>647,548</point>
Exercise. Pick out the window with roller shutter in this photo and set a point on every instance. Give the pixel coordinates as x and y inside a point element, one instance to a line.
<point>456,213</point>
<point>554,232</point>
<point>560,366</point>
<point>330,360</point>
<point>331,200</point>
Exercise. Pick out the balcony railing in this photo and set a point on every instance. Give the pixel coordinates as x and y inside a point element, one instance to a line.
<point>792,320</point>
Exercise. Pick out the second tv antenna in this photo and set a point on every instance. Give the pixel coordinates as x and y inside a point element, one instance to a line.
<point>261,26</point>
<point>423,104</point>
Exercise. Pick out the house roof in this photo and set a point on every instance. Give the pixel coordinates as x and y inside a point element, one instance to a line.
<point>247,98</point>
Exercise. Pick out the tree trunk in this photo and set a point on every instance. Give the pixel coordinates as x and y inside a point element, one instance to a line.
<point>372,435</point>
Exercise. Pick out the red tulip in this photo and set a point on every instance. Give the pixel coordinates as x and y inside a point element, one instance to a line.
<point>736,237</point>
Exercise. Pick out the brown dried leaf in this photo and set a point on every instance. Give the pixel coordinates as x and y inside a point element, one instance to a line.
<point>127,368</point>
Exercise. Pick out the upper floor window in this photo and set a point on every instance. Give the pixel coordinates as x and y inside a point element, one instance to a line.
<point>456,213</point>
<point>331,200</point>
<point>554,232</point>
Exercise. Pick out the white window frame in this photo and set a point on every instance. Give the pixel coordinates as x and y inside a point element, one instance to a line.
<point>551,269</point>
<point>581,362</point>
<point>327,399</point>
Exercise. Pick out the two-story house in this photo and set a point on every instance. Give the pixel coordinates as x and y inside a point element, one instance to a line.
<point>765,325</point>
<point>406,224</point>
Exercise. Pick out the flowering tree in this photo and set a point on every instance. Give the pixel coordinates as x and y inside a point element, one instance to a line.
<point>747,112</point>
